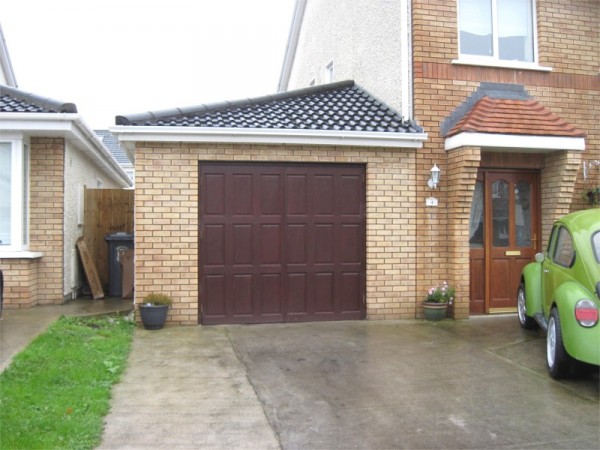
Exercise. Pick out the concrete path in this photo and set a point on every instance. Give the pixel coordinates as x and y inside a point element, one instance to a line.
<point>480,383</point>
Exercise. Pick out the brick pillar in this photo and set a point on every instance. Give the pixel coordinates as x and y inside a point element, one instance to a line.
<point>557,188</point>
<point>462,175</point>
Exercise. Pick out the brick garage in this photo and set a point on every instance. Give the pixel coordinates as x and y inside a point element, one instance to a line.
<point>167,212</point>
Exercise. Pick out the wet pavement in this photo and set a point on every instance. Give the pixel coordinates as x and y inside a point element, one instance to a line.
<point>478,383</point>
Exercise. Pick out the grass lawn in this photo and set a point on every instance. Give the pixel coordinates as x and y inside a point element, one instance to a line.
<point>56,392</point>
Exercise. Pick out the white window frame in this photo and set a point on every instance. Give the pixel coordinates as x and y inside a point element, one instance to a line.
<point>19,219</point>
<point>495,61</point>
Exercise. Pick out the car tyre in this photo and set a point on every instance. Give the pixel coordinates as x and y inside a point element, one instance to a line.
<point>559,361</point>
<point>526,321</point>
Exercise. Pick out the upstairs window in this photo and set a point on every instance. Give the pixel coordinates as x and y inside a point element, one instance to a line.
<point>497,30</point>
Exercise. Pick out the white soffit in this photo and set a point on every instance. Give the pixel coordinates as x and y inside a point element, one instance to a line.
<point>515,141</point>
<point>128,135</point>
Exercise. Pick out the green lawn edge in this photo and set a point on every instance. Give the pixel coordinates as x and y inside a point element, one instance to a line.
<point>56,392</point>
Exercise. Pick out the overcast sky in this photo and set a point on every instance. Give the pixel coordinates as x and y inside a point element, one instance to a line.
<point>113,57</point>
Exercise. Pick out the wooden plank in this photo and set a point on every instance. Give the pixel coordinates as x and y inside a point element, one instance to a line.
<point>90,270</point>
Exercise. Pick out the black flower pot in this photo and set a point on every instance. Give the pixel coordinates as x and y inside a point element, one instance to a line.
<point>153,316</point>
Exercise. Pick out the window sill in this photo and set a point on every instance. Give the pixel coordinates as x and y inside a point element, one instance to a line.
<point>20,255</point>
<point>501,64</point>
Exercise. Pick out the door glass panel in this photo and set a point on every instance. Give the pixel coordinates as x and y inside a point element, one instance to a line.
<point>500,223</point>
<point>523,214</point>
<point>476,226</point>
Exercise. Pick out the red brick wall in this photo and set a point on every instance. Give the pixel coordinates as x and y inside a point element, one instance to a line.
<point>569,43</point>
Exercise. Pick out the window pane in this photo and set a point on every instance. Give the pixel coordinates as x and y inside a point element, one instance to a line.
<point>564,252</point>
<point>500,213</point>
<point>475,23</point>
<point>523,214</point>
<point>5,192</point>
<point>515,30</point>
<point>476,221</point>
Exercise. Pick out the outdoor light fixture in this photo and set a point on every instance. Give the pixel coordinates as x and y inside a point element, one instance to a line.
<point>435,177</point>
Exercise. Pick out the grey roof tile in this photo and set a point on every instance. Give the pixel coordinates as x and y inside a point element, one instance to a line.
<point>14,100</point>
<point>112,144</point>
<point>341,106</point>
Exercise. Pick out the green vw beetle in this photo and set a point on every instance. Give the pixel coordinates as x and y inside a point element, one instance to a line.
<point>560,292</point>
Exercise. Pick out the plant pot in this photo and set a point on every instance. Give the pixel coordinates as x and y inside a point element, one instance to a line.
<point>435,311</point>
<point>153,316</point>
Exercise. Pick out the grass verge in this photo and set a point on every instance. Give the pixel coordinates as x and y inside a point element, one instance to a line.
<point>56,392</point>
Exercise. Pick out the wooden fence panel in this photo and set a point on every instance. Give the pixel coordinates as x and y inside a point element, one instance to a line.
<point>106,211</point>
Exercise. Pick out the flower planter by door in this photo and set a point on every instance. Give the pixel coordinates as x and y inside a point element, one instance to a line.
<point>435,311</point>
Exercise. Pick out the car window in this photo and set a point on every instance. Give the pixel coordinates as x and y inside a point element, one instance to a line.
<point>596,245</point>
<point>563,253</point>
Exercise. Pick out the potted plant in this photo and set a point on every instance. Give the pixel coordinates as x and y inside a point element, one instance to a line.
<point>153,310</point>
<point>437,300</point>
<point>592,196</point>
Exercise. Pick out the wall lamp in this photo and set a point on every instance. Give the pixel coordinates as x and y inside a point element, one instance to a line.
<point>435,177</point>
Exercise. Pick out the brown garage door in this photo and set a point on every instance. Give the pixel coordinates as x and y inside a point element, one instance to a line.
<point>281,243</point>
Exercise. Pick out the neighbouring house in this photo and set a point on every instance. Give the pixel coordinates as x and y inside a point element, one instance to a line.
<point>48,156</point>
<point>112,144</point>
<point>508,93</point>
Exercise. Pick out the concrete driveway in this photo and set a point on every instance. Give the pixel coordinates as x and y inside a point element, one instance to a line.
<point>480,383</point>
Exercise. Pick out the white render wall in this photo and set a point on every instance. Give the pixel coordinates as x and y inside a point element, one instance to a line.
<point>80,172</point>
<point>363,46</point>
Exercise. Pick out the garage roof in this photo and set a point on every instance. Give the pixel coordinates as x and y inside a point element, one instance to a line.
<point>341,106</point>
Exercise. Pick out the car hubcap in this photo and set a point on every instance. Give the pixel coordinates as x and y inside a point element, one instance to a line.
<point>551,342</point>
<point>521,305</point>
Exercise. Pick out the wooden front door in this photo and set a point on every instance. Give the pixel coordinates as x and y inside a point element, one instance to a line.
<point>504,234</point>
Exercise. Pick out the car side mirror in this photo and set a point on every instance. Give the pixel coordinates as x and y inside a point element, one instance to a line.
<point>539,257</point>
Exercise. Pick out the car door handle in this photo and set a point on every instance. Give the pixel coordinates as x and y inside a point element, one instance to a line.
<point>546,271</point>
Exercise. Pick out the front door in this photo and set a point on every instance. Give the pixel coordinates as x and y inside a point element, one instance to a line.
<point>504,237</point>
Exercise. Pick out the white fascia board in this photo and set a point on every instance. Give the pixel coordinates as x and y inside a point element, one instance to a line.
<point>70,127</point>
<point>516,142</point>
<point>130,134</point>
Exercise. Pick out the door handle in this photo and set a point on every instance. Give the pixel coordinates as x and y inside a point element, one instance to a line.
<point>534,241</point>
<point>546,271</point>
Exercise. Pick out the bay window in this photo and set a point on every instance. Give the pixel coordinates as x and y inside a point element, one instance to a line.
<point>497,30</point>
<point>14,195</point>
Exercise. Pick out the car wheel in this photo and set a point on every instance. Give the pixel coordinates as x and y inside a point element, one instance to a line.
<point>526,322</point>
<point>559,361</point>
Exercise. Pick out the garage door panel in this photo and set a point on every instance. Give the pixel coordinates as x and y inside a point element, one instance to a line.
<point>270,243</point>
<point>324,292</point>
<point>243,299</point>
<point>271,291</point>
<point>297,195</point>
<point>242,244</point>
<point>297,244</point>
<point>349,194</point>
<point>323,243</point>
<point>297,293</point>
<point>215,194</point>
<point>271,200</point>
<point>323,194</point>
<point>214,245</point>
<point>348,244</point>
<point>281,242</point>
<point>242,200</point>
<point>215,300</point>
<point>350,295</point>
